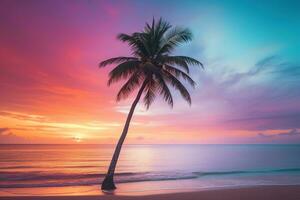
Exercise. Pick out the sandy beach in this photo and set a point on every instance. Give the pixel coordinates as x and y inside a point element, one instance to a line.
<point>247,193</point>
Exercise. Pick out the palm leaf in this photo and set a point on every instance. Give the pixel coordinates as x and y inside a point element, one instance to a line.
<point>188,60</point>
<point>178,73</point>
<point>132,83</point>
<point>122,71</point>
<point>152,63</point>
<point>174,60</point>
<point>136,42</point>
<point>178,85</point>
<point>116,60</point>
<point>161,27</point>
<point>173,38</point>
<point>150,91</point>
<point>165,91</point>
<point>157,74</point>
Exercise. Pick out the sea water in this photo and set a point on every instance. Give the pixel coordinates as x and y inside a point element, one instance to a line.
<point>157,166</point>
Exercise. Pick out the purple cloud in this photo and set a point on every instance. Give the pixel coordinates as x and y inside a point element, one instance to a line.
<point>293,132</point>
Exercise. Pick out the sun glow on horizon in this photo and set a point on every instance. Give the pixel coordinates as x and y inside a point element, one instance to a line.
<point>78,138</point>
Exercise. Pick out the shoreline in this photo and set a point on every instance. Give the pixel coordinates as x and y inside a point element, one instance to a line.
<point>274,192</point>
<point>157,187</point>
<point>124,189</point>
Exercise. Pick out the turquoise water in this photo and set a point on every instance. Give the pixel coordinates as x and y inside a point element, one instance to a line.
<point>30,166</point>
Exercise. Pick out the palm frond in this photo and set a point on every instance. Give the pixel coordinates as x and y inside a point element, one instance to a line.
<point>188,60</point>
<point>116,60</point>
<point>136,42</point>
<point>150,93</point>
<point>173,38</point>
<point>178,85</point>
<point>150,69</point>
<point>154,34</point>
<point>132,83</point>
<point>157,28</point>
<point>151,63</point>
<point>178,73</point>
<point>161,27</point>
<point>174,60</point>
<point>155,73</point>
<point>146,43</point>
<point>122,71</point>
<point>165,91</point>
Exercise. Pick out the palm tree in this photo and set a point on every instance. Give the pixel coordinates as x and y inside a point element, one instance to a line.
<point>153,70</point>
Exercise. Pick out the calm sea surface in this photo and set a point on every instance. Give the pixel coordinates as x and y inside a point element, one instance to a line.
<point>30,166</point>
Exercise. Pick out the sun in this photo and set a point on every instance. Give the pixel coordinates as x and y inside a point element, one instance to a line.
<point>77,138</point>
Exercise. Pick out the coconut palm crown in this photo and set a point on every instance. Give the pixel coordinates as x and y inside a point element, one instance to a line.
<point>153,69</point>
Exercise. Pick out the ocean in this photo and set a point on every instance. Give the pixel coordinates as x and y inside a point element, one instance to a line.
<point>173,166</point>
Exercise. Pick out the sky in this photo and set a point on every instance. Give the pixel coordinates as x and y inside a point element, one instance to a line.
<point>52,91</point>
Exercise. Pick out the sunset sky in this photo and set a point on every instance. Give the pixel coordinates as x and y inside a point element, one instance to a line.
<point>52,90</point>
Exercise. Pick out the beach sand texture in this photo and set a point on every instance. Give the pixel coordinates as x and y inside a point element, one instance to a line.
<point>249,193</point>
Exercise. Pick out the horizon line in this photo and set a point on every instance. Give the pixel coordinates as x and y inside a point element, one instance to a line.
<point>160,144</point>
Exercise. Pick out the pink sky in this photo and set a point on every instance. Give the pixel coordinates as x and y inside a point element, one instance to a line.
<point>53,92</point>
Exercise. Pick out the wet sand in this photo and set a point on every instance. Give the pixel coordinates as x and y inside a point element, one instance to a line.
<point>246,193</point>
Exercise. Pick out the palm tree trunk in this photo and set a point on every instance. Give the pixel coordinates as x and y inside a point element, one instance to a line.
<point>108,182</point>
